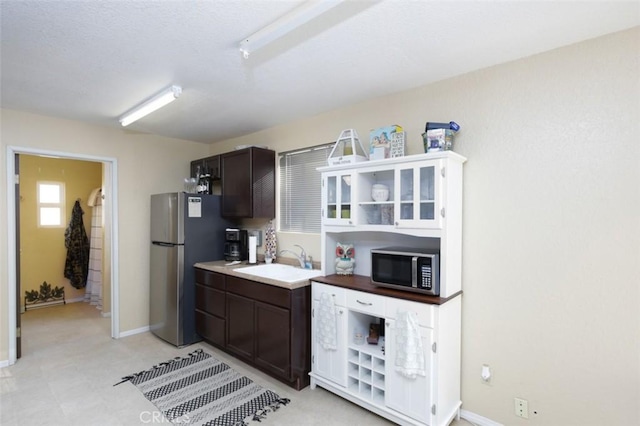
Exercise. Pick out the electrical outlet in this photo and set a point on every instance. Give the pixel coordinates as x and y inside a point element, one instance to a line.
<point>521,407</point>
<point>485,374</point>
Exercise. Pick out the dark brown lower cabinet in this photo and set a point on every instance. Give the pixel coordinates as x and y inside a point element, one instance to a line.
<point>266,326</point>
<point>211,315</point>
<point>241,325</point>
<point>272,339</point>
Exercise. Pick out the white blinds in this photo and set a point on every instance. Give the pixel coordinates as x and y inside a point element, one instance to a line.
<point>300,188</point>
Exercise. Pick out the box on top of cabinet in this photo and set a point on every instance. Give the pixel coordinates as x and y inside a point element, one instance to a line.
<point>380,142</point>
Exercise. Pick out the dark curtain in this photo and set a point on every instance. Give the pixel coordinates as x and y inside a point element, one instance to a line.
<point>76,267</point>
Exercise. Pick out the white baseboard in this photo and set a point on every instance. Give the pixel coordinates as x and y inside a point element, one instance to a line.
<point>4,363</point>
<point>54,303</point>
<point>477,419</point>
<point>135,331</point>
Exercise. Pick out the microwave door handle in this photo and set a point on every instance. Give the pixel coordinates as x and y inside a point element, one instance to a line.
<point>414,272</point>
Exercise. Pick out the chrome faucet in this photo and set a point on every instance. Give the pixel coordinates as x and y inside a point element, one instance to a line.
<point>302,258</point>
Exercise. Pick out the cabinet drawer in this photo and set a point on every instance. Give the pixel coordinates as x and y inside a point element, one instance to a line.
<point>210,279</point>
<point>366,302</point>
<point>210,328</point>
<point>210,300</point>
<point>258,291</point>
<point>425,311</point>
<point>339,294</point>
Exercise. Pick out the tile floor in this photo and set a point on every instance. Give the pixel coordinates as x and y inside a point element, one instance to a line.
<point>69,365</point>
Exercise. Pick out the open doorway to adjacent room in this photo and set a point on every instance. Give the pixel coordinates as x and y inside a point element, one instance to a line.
<point>37,248</point>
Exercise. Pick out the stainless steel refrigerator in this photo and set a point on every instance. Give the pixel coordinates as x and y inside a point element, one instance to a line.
<point>185,229</point>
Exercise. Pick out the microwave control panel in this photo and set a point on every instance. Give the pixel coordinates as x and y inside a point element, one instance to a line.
<point>425,277</point>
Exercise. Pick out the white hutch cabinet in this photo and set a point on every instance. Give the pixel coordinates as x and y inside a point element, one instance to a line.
<point>423,210</point>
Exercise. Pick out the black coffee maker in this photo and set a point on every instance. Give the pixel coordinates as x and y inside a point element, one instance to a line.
<point>235,245</point>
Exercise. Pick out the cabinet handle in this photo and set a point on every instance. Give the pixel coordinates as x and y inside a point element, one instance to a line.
<point>364,303</point>
<point>340,311</point>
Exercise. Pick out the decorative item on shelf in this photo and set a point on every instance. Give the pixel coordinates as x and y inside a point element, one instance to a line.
<point>380,141</point>
<point>374,215</point>
<point>374,334</point>
<point>439,136</point>
<point>379,192</point>
<point>345,258</point>
<point>347,149</point>
<point>397,145</point>
<point>270,245</point>
<point>386,214</point>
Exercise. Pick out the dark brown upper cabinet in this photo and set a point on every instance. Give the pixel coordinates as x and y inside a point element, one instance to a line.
<point>211,164</point>
<point>249,183</point>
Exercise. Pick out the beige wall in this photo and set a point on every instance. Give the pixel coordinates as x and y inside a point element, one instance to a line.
<point>551,224</point>
<point>551,239</point>
<point>146,164</point>
<point>42,249</point>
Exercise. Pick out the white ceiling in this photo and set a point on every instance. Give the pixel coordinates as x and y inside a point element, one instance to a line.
<point>94,60</point>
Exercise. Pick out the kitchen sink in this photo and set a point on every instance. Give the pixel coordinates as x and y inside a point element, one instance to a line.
<point>280,272</point>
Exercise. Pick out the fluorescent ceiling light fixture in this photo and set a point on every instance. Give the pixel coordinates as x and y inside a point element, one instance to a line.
<point>289,22</point>
<point>158,101</point>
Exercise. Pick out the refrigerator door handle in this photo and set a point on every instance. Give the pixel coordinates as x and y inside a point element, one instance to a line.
<point>158,243</point>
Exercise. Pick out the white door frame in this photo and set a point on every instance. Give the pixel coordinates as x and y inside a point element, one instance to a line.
<point>110,185</point>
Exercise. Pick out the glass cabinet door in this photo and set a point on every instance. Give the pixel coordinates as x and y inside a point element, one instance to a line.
<point>376,197</point>
<point>406,194</point>
<point>419,196</point>
<point>337,209</point>
<point>427,193</point>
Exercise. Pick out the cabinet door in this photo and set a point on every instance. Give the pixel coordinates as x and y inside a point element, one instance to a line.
<point>337,199</point>
<point>249,183</point>
<point>411,397</point>
<point>328,363</point>
<point>196,167</point>
<point>212,165</point>
<point>240,325</point>
<point>420,203</point>
<point>272,339</point>
<point>236,184</point>
<point>376,197</point>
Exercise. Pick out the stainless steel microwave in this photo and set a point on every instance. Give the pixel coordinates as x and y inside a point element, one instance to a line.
<point>409,269</point>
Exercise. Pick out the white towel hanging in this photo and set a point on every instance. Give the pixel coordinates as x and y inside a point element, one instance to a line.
<point>95,199</point>
<point>410,359</point>
<point>326,330</point>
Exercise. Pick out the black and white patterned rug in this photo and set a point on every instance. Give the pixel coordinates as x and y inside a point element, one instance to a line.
<point>200,390</point>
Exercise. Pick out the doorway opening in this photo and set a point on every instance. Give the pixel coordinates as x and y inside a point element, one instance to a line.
<point>109,180</point>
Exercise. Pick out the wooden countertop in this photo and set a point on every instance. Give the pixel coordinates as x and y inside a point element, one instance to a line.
<point>362,283</point>
<point>221,267</point>
<point>353,282</point>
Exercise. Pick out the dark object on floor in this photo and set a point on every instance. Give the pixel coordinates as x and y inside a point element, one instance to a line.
<point>199,389</point>
<point>45,297</point>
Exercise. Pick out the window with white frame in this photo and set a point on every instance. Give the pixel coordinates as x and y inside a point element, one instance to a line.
<point>300,188</point>
<point>50,204</point>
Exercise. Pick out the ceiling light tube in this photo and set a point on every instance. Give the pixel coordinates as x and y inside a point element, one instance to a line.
<point>289,22</point>
<point>158,101</point>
